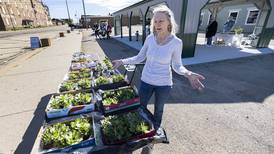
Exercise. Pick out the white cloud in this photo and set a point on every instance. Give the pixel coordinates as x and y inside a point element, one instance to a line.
<point>112,5</point>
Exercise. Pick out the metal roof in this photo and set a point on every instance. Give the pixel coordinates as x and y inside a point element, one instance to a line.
<point>132,6</point>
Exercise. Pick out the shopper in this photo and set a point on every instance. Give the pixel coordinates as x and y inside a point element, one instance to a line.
<point>211,31</point>
<point>109,30</point>
<point>161,49</point>
<point>228,25</point>
<point>96,30</point>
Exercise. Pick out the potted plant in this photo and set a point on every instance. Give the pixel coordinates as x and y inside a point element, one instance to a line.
<point>238,36</point>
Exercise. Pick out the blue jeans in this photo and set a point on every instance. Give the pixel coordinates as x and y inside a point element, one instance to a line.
<point>161,96</point>
<point>209,41</point>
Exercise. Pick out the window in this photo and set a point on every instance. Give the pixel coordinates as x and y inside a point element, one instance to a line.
<point>7,21</point>
<point>252,17</point>
<point>11,12</point>
<point>14,21</point>
<point>3,10</point>
<point>233,15</point>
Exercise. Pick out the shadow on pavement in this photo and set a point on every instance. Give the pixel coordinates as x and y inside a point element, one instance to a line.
<point>31,133</point>
<point>242,80</point>
<point>116,50</point>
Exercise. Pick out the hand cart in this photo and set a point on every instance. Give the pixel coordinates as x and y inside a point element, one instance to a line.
<point>100,148</point>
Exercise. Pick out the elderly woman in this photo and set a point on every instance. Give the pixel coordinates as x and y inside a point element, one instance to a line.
<point>161,49</point>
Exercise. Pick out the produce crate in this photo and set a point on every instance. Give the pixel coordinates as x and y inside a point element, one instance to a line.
<point>82,65</point>
<point>120,102</point>
<point>45,42</point>
<point>66,107</point>
<point>82,57</point>
<point>79,74</point>
<point>89,56</point>
<point>75,85</point>
<point>75,133</point>
<point>127,127</point>
<point>61,34</point>
<point>109,80</point>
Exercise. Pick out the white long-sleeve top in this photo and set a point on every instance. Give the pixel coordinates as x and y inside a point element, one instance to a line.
<point>159,58</point>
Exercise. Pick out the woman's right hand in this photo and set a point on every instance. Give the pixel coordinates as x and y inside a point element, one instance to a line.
<point>117,63</point>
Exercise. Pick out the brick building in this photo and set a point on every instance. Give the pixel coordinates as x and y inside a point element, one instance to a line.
<point>23,13</point>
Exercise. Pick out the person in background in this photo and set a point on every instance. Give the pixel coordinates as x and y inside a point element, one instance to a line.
<point>96,30</point>
<point>211,31</point>
<point>109,30</point>
<point>147,30</point>
<point>228,25</point>
<point>137,35</point>
<point>161,50</point>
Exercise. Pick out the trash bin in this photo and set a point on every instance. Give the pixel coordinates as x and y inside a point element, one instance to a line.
<point>61,34</point>
<point>34,42</point>
<point>45,42</point>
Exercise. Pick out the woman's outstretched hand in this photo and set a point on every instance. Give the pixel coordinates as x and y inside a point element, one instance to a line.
<point>195,81</point>
<point>117,63</point>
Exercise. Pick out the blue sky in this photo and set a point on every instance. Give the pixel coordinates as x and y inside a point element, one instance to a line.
<point>93,7</point>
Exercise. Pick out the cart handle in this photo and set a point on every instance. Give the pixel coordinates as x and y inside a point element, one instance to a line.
<point>132,68</point>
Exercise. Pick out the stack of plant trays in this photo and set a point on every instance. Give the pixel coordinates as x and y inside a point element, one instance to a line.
<point>76,80</point>
<point>75,95</point>
<point>69,123</point>
<point>105,77</point>
<point>95,111</point>
<point>82,61</point>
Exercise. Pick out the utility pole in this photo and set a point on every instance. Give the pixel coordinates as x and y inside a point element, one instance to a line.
<point>85,19</point>
<point>68,10</point>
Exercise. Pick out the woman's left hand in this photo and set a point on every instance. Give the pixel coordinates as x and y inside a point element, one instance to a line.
<point>195,81</point>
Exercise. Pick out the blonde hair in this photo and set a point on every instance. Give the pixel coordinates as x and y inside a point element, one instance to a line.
<point>170,16</point>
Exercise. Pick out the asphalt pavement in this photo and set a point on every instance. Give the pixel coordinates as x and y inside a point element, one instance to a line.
<point>233,115</point>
